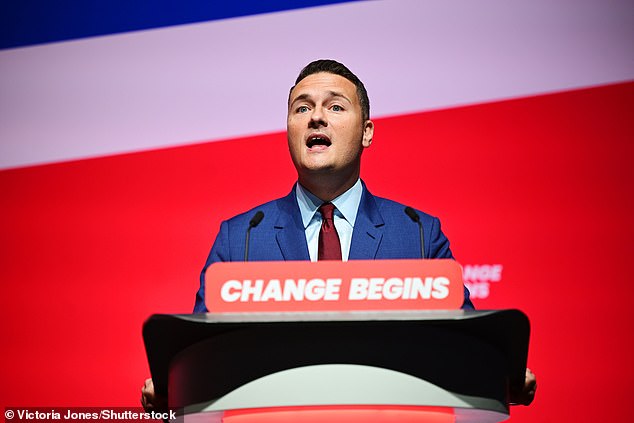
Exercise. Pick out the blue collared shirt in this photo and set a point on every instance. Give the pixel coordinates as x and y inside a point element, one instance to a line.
<point>346,207</point>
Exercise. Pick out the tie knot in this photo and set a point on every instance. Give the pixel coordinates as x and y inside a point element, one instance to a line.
<point>327,210</point>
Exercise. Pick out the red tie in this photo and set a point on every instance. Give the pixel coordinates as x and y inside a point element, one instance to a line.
<point>329,245</point>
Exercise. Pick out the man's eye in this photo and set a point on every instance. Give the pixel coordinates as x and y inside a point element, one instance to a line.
<point>337,108</point>
<point>302,109</point>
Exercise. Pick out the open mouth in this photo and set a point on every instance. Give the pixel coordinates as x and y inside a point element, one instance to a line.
<point>318,140</point>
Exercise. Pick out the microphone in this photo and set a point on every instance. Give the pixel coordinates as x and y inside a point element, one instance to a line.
<point>416,219</point>
<point>255,221</point>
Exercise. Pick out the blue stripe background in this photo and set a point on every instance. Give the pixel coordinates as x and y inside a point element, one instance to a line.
<point>28,22</point>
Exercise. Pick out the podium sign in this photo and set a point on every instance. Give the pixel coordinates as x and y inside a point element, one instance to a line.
<point>294,286</point>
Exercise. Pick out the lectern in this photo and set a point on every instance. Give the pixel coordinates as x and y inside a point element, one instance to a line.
<point>365,366</point>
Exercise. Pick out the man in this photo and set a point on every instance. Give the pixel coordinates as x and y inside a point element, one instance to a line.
<point>328,127</point>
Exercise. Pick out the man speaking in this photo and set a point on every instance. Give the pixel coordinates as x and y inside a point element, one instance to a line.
<point>330,214</point>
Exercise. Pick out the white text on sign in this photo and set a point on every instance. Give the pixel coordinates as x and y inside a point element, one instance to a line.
<point>316,289</point>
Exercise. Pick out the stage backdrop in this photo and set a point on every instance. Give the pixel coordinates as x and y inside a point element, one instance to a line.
<point>122,152</point>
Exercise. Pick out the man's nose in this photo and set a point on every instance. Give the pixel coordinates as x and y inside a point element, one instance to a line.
<point>318,118</point>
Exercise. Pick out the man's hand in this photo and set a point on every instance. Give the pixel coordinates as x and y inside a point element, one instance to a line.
<point>150,400</point>
<point>528,392</point>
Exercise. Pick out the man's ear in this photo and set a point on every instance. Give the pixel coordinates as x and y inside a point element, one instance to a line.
<point>368,133</point>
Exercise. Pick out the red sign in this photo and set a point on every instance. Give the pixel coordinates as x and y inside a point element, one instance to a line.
<point>236,287</point>
<point>342,413</point>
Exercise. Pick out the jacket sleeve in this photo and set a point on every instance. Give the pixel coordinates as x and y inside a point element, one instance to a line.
<point>439,248</point>
<point>438,245</point>
<point>219,252</point>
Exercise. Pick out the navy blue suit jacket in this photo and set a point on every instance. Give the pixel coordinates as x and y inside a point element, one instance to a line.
<point>382,230</point>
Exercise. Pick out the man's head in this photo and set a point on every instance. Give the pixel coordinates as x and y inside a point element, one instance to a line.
<point>334,67</point>
<point>328,127</point>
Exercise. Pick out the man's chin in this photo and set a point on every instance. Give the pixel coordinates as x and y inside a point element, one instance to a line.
<point>318,170</point>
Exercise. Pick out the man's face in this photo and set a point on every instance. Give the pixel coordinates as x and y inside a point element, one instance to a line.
<point>325,128</point>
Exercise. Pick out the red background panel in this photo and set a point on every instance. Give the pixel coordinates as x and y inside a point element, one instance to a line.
<point>541,185</point>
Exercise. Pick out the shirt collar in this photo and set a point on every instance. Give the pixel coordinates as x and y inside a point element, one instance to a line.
<point>347,203</point>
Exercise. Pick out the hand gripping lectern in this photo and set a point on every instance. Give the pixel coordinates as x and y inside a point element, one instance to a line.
<point>338,365</point>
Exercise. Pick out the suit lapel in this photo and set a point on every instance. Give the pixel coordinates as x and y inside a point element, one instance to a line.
<point>368,229</point>
<point>290,234</point>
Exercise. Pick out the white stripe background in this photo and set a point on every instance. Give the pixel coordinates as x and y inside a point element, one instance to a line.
<point>211,81</point>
